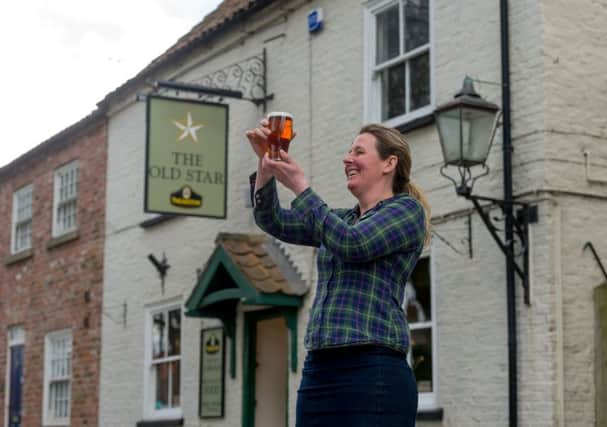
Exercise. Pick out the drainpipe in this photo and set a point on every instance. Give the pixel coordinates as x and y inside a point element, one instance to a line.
<point>509,223</point>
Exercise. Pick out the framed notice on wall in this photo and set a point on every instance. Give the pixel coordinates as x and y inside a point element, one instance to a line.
<point>212,373</point>
<point>186,157</point>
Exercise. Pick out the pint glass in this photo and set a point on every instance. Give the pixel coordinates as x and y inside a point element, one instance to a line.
<point>281,126</point>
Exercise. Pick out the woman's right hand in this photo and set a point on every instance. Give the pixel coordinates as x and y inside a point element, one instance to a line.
<point>258,138</point>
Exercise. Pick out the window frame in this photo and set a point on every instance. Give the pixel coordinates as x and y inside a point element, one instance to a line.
<point>57,229</point>
<point>429,400</point>
<point>46,416</point>
<point>15,222</point>
<point>149,411</point>
<point>372,82</point>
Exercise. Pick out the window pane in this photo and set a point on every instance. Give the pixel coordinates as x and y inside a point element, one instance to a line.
<point>393,91</point>
<point>175,380</point>
<point>174,332</point>
<point>24,204</point>
<point>158,336</point>
<point>23,238</point>
<point>162,386</point>
<point>387,34</point>
<point>418,300</point>
<point>416,24</point>
<point>420,81</point>
<point>421,358</point>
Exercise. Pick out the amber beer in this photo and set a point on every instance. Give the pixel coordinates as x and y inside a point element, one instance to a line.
<point>281,126</point>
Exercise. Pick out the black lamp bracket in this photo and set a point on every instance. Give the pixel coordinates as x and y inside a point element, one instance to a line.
<point>525,215</point>
<point>466,179</point>
<point>590,246</point>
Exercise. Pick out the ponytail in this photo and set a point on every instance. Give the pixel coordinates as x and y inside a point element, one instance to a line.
<point>416,192</point>
<point>389,142</point>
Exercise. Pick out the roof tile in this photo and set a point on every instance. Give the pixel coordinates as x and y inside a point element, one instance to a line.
<point>249,253</point>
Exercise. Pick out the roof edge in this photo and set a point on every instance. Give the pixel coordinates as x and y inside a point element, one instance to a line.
<point>64,137</point>
<point>160,61</point>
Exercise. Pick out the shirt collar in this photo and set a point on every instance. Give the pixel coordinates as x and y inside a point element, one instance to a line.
<point>379,204</point>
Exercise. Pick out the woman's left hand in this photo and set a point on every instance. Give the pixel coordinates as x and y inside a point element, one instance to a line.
<point>287,171</point>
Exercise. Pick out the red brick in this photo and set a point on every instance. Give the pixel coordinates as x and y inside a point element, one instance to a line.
<point>46,292</point>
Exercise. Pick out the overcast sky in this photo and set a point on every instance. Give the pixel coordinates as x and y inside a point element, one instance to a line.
<point>61,57</point>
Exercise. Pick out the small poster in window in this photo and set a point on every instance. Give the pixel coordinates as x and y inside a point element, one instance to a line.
<point>212,372</point>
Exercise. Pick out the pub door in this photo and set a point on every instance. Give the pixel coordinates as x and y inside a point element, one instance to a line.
<point>268,369</point>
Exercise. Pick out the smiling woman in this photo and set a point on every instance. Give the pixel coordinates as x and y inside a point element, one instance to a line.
<point>355,372</point>
<point>111,40</point>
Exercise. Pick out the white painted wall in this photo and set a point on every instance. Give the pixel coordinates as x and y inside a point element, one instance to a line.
<point>557,51</point>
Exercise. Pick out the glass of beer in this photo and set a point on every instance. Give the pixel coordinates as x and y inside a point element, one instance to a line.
<point>281,126</point>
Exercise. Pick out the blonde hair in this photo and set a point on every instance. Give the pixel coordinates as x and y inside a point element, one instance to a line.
<point>390,142</point>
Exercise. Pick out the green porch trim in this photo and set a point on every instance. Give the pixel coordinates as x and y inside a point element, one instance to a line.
<point>222,286</point>
<point>290,315</point>
<point>219,296</point>
<point>274,300</point>
<point>600,351</point>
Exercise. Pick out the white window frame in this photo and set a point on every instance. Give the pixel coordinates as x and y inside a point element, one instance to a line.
<point>48,419</point>
<point>371,81</point>
<point>149,380</point>
<point>16,336</point>
<point>58,228</point>
<point>18,222</point>
<point>429,400</point>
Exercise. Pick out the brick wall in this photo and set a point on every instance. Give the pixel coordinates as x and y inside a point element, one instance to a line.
<point>61,287</point>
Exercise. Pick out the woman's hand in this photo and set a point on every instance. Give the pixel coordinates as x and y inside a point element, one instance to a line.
<point>258,138</point>
<point>286,171</point>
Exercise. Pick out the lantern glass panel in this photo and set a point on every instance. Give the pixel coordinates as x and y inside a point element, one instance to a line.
<point>448,122</point>
<point>477,126</point>
<point>465,135</point>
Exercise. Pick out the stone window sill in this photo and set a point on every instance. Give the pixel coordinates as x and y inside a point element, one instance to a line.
<point>19,256</point>
<point>156,220</point>
<point>161,423</point>
<point>67,237</point>
<point>418,123</point>
<point>430,415</point>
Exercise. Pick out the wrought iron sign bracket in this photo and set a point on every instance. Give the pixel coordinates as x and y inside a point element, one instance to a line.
<point>211,91</point>
<point>525,215</point>
<point>244,80</point>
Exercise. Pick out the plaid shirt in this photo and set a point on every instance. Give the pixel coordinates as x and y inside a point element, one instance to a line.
<point>363,264</point>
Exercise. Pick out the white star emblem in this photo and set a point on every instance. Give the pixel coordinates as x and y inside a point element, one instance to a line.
<point>189,128</point>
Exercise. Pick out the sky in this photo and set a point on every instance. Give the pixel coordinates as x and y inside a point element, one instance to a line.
<point>61,57</point>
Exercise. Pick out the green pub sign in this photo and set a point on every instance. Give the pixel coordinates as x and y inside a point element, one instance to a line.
<point>186,157</point>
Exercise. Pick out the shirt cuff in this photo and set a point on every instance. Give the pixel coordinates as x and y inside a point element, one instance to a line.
<point>264,197</point>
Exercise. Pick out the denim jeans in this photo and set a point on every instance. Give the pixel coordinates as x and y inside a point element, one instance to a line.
<point>357,386</point>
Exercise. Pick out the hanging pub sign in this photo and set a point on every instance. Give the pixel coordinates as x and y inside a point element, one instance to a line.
<point>212,372</point>
<point>186,157</point>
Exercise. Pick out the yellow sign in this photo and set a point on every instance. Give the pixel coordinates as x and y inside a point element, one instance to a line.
<point>186,157</point>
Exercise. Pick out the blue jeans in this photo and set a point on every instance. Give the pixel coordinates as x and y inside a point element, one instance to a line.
<point>357,386</point>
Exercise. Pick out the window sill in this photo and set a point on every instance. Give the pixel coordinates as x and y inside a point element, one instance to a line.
<point>161,423</point>
<point>430,414</point>
<point>420,122</point>
<point>67,237</point>
<point>19,256</point>
<point>156,220</point>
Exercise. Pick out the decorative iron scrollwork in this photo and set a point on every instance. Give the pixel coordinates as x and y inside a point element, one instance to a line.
<point>247,76</point>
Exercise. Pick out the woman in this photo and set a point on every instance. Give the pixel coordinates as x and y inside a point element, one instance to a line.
<point>355,372</point>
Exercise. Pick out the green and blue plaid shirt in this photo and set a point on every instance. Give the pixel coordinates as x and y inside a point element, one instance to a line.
<point>363,264</point>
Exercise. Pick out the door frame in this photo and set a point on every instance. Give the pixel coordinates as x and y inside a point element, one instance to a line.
<point>248,362</point>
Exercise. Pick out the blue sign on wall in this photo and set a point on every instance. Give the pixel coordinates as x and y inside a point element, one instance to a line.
<point>315,20</point>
